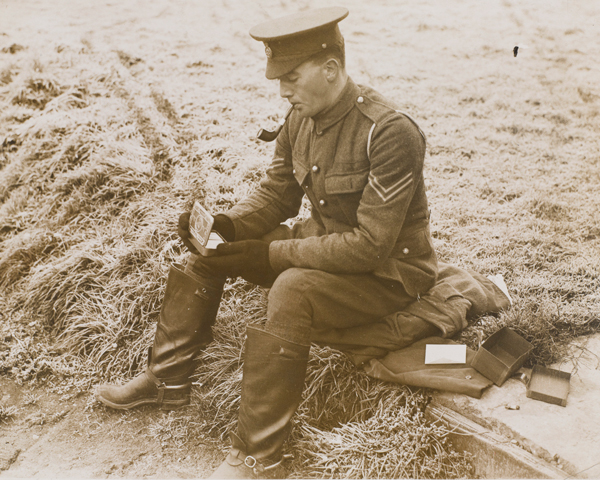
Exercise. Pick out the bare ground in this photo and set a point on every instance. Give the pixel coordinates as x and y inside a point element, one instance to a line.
<point>68,436</point>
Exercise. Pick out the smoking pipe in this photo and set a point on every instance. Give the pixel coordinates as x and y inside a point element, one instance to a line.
<point>266,135</point>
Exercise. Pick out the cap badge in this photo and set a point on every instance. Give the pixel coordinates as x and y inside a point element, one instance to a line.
<point>268,51</point>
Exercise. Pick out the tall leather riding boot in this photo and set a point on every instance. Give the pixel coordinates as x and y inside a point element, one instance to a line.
<point>188,311</point>
<point>272,383</point>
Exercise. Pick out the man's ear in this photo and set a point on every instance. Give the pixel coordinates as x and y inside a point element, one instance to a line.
<point>332,69</point>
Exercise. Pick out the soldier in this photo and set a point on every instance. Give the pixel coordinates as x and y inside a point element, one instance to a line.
<point>364,253</point>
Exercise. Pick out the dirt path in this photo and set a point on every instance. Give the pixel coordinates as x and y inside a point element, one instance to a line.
<point>66,436</point>
<point>196,58</point>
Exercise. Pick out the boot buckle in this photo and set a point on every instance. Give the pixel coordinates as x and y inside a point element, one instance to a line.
<point>250,461</point>
<point>254,465</point>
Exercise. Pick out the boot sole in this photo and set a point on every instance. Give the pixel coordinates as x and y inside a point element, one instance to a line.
<point>165,405</point>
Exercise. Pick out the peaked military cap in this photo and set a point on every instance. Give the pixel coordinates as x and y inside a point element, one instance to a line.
<point>293,39</point>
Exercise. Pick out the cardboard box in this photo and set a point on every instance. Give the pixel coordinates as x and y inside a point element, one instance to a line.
<point>549,385</point>
<point>501,355</point>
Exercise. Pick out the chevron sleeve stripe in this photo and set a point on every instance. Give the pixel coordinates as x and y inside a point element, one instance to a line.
<point>276,163</point>
<point>392,191</point>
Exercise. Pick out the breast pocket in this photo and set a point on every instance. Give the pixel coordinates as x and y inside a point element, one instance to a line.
<point>344,192</point>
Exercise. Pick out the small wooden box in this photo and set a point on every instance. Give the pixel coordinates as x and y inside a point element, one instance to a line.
<point>501,355</point>
<point>549,385</point>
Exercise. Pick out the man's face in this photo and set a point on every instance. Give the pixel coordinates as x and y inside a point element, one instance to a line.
<point>306,87</point>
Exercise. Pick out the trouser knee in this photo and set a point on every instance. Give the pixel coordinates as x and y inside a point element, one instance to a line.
<point>290,293</point>
<point>290,309</point>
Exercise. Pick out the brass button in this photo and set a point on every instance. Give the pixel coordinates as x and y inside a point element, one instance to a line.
<point>294,171</point>
<point>306,186</point>
<point>360,99</point>
<point>315,168</point>
<point>319,133</point>
<point>405,251</point>
<point>322,203</point>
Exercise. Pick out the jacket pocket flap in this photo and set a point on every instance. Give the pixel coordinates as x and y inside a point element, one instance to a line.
<point>300,172</point>
<point>349,183</point>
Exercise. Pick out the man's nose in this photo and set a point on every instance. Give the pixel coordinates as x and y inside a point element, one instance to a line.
<point>284,90</point>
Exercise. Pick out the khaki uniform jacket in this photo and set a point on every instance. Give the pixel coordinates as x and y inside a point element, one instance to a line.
<point>360,163</point>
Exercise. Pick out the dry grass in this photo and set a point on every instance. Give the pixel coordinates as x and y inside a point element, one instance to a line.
<point>394,441</point>
<point>101,148</point>
<point>7,412</point>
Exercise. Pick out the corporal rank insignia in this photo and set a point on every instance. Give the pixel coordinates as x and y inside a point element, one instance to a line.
<point>268,51</point>
<point>388,193</point>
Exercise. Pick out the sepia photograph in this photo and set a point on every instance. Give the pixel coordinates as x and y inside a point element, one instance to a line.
<point>299,239</point>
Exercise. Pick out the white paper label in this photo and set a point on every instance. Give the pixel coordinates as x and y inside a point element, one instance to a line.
<point>444,354</point>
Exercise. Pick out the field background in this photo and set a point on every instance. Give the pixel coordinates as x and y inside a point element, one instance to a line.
<point>115,116</point>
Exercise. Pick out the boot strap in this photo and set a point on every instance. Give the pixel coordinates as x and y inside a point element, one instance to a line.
<point>162,386</point>
<point>251,462</point>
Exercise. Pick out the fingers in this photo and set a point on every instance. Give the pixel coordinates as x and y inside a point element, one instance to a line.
<point>223,265</point>
<point>183,228</point>
<point>230,248</point>
<point>230,258</point>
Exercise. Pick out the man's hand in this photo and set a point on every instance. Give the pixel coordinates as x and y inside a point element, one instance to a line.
<point>248,259</point>
<point>223,225</point>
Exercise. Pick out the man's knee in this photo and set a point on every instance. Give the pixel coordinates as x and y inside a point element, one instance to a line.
<point>292,289</point>
<point>293,282</point>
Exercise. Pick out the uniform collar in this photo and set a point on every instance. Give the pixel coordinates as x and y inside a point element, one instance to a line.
<point>339,109</point>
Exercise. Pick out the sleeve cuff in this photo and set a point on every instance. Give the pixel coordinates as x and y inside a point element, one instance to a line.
<point>277,257</point>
